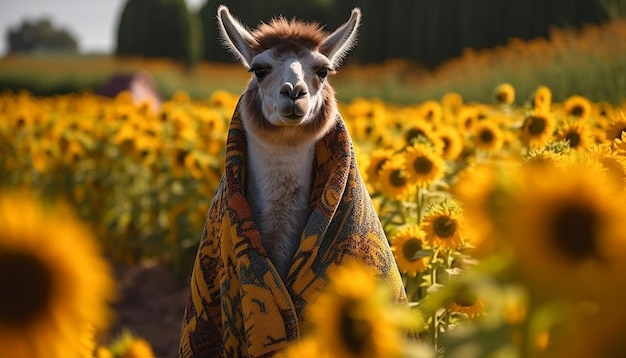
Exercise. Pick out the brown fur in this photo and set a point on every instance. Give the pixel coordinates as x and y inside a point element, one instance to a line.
<point>284,36</point>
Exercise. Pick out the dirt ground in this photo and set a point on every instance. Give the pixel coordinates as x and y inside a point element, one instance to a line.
<point>151,304</point>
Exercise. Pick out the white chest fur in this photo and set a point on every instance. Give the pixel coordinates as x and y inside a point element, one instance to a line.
<point>278,189</point>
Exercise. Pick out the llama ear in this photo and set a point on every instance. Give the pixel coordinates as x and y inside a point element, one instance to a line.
<point>337,44</point>
<point>235,36</point>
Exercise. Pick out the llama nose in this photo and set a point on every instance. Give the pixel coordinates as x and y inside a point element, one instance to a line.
<point>294,92</point>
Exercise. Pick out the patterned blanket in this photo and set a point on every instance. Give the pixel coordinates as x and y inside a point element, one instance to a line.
<point>239,306</point>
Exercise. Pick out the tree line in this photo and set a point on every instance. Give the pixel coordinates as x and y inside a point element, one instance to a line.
<point>422,31</point>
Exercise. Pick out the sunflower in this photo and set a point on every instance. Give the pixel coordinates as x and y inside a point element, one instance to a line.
<point>488,136</point>
<point>577,134</point>
<point>393,181</point>
<point>138,348</point>
<point>377,159</point>
<point>423,165</point>
<point>484,191</point>
<point>542,99</point>
<point>431,111</point>
<point>54,282</point>
<point>405,244</point>
<point>538,129</point>
<point>128,345</point>
<point>466,118</point>
<point>465,300</point>
<point>452,101</point>
<point>443,225</point>
<point>452,142</point>
<point>577,107</point>
<point>619,145</point>
<point>355,316</point>
<point>421,131</point>
<point>614,167</point>
<point>505,93</point>
<point>616,126</point>
<point>565,228</point>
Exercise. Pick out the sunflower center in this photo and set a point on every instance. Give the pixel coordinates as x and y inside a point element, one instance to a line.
<point>397,179</point>
<point>502,97</point>
<point>355,331</point>
<point>465,298</point>
<point>380,164</point>
<point>619,133</point>
<point>413,133</point>
<point>180,157</point>
<point>574,231</point>
<point>444,226</point>
<point>537,125</point>
<point>26,286</point>
<point>422,165</point>
<point>446,144</point>
<point>411,247</point>
<point>486,136</point>
<point>573,138</point>
<point>577,111</point>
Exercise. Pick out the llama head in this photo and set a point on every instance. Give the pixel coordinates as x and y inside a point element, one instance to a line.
<point>288,98</point>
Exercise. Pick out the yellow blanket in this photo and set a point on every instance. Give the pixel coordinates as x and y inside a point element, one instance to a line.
<point>239,306</point>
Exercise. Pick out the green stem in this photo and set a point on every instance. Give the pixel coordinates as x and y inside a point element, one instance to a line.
<point>420,204</point>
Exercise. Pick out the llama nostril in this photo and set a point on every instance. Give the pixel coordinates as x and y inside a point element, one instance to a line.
<point>292,91</point>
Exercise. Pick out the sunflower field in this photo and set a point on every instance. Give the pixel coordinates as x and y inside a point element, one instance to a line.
<point>505,221</point>
<point>505,213</point>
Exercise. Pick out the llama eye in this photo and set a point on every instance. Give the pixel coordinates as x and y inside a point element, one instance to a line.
<point>322,73</point>
<point>260,72</point>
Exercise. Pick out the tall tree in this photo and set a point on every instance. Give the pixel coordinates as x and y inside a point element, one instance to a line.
<point>159,28</point>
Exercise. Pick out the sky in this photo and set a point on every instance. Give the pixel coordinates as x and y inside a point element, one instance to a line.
<point>92,22</point>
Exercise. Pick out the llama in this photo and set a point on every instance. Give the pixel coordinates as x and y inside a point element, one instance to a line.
<point>291,205</point>
<point>287,107</point>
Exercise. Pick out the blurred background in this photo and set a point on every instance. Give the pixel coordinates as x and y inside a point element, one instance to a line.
<point>67,45</point>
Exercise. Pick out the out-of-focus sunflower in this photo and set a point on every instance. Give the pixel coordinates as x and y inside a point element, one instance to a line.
<point>488,136</point>
<point>465,300</point>
<point>138,348</point>
<point>377,159</point>
<point>538,129</point>
<point>423,165</point>
<point>452,101</point>
<point>128,345</point>
<point>483,192</point>
<point>614,166</point>
<point>505,93</point>
<point>577,134</point>
<point>444,226</point>
<point>619,145</point>
<point>466,118</point>
<point>616,126</point>
<point>578,107</point>
<point>54,282</point>
<point>542,99</point>
<point>392,180</point>
<point>452,142</point>
<point>405,244</point>
<point>355,316</point>
<point>420,131</point>
<point>431,111</point>
<point>566,229</point>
